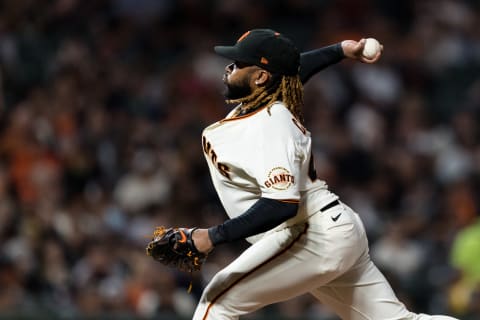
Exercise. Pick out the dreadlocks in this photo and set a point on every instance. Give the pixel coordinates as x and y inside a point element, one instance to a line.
<point>288,89</point>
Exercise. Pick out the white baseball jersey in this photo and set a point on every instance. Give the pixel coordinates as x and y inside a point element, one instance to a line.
<point>323,252</point>
<point>270,158</point>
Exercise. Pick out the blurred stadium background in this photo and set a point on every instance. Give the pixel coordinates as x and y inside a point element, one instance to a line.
<point>101,111</point>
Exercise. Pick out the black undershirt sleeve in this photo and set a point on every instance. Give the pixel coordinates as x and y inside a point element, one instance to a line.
<point>262,216</point>
<point>311,62</point>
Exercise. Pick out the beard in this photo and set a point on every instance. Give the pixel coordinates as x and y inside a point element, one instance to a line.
<point>235,91</point>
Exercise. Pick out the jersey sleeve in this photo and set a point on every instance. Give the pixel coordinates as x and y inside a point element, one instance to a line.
<point>277,163</point>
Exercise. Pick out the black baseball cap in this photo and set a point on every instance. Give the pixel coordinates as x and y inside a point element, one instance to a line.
<point>265,48</point>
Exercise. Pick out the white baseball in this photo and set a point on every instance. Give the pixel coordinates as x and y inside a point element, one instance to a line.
<point>372,46</point>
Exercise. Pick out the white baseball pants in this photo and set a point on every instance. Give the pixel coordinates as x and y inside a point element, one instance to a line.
<point>326,258</point>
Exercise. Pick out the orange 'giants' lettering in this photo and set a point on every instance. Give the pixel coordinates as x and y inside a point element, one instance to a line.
<point>279,179</point>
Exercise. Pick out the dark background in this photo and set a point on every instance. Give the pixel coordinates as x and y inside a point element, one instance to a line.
<point>101,111</point>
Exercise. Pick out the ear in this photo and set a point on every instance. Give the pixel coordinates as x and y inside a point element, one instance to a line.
<point>260,78</point>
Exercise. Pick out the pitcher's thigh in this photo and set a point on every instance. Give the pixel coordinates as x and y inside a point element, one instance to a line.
<point>362,293</point>
<point>269,271</point>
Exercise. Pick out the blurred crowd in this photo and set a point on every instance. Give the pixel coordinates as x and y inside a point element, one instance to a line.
<point>101,111</point>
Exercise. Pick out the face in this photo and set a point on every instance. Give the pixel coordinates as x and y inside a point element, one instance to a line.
<point>238,79</point>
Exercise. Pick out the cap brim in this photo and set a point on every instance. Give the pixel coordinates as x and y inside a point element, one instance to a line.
<point>229,52</point>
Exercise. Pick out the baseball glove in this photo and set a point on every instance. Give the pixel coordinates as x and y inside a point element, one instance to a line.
<point>174,247</point>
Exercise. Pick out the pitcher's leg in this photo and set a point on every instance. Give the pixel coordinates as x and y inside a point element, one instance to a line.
<point>274,269</point>
<point>260,275</point>
<point>283,265</point>
<point>363,293</point>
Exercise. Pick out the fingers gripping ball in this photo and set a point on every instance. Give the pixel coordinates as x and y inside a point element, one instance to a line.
<point>371,48</point>
<point>175,248</point>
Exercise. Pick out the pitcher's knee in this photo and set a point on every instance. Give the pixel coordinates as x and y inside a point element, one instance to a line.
<point>220,308</point>
<point>223,283</point>
<point>219,283</point>
<point>220,302</point>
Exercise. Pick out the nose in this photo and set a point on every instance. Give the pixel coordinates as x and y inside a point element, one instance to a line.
<point>229,68</point>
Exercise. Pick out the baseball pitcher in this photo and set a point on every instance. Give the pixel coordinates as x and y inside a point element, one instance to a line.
<point>304,239</point>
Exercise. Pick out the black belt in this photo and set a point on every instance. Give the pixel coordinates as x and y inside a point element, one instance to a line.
<point>330,205</point>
